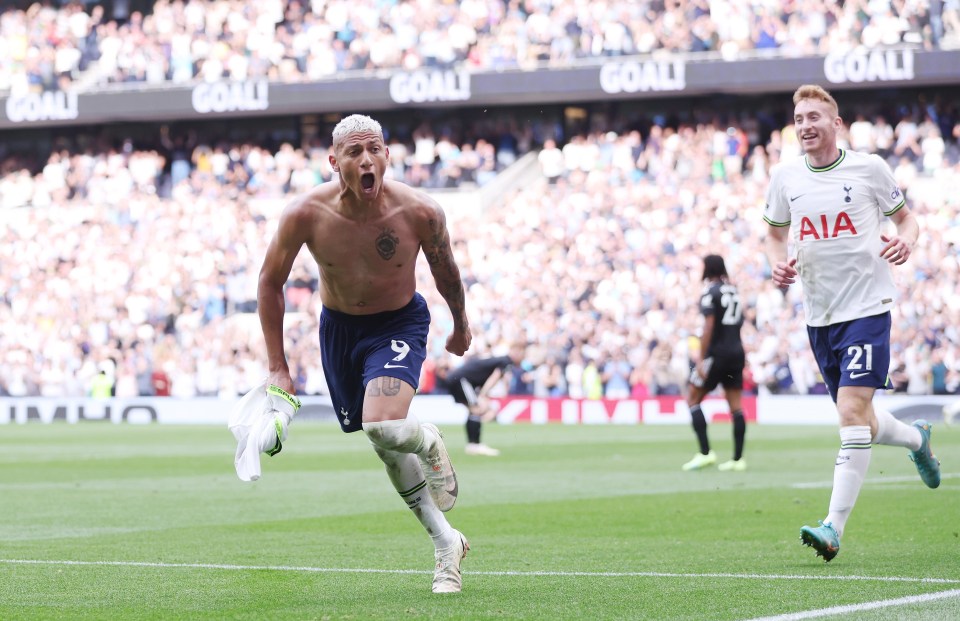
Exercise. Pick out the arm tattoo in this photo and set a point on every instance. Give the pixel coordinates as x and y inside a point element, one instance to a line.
<point>387,244</point>
<point>383,387</point>
<point>445,271</point>
<point>437,242</point>
<point>453,293</point>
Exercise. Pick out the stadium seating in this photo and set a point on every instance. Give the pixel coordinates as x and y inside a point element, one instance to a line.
<point>80,47</point>
<point>596,264</point>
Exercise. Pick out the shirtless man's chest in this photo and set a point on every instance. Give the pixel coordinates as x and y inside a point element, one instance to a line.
<point>364,261</point>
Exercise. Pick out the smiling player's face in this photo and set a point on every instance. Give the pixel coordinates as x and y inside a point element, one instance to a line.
<point>816,124</point>
<point>361,160</point>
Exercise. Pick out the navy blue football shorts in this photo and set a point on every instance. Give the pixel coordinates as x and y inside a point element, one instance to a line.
<point>355,349</point>
<point>853,353</point>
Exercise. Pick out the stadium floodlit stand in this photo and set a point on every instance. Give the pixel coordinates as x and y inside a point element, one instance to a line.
<point>147,155</point>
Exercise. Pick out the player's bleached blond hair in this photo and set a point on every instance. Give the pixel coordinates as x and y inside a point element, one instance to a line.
<point>816,93</point>
<point>354,124</point>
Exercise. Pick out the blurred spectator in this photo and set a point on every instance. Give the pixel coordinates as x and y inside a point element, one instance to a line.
<point>883,137</point>
<point>551,161</point>
<point>907,136</point>
<point>101,387</point>
<point>938,373</point>
<point>616,376</point>
<point>861,134</point>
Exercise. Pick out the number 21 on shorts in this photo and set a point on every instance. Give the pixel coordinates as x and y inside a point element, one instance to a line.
<point>861,360</point>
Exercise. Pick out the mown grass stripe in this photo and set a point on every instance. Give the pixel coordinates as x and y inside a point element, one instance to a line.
<point>533,573</point>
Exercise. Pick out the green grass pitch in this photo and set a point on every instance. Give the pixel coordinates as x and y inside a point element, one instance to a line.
<point>101,521</point>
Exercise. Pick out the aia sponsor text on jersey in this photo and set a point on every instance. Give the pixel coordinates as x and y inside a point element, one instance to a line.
<point>823,229</point>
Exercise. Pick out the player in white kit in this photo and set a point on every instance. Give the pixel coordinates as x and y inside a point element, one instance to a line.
<point>836,202</point>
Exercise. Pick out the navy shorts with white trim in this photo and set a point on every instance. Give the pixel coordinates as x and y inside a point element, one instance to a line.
<point>355,349</point>
<point>853,353</point>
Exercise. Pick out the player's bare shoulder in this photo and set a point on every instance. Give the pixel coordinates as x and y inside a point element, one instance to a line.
<point>308,212</point>
<point>419,208</point>
<point>400,194</point>
<point>426,218</point>
<point>315,203</point>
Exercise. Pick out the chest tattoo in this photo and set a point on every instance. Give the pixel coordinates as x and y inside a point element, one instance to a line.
<point>387,244</point>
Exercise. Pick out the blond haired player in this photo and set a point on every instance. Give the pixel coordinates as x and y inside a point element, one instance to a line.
<point>835,202</point>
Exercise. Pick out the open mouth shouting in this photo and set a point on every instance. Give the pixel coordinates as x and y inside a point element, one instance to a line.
<point>367,182</point>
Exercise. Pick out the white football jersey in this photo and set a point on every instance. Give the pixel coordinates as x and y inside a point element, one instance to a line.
<point>836,213</point>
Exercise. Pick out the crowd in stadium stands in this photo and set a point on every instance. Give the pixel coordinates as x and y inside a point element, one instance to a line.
<point>46,47</point>
<point>425,159</point>
<point>597,264</point>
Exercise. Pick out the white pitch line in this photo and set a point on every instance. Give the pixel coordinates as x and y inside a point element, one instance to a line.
<point>874,480</point>
<point>841,610</point>
<point>598,574</point>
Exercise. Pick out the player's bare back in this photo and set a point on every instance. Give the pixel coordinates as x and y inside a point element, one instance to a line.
<point>367,256</point>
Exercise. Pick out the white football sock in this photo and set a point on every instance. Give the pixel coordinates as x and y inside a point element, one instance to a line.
<point>852,463</point>
<point>894,432</point>
<point>407,478</point>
